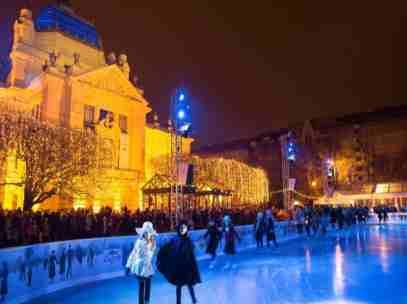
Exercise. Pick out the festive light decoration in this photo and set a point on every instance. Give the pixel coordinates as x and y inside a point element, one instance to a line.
<point>248,185</point>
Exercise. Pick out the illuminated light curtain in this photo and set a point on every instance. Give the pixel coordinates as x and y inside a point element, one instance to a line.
<point>249,185</point>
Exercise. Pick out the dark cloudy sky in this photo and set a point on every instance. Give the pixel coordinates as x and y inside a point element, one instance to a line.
<point>252,66</point>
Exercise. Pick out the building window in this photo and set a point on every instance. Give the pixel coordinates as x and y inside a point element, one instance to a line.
<point>106,118</point>
<point>382,188</point>
<point>123,123</point>
<point>395,188</point>
<point>106,153</point>
<point>89,116</point>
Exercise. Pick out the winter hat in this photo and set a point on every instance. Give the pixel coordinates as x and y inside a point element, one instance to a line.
<point>147,228</point>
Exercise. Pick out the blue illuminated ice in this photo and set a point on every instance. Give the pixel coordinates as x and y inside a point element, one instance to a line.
<point>363,265</point>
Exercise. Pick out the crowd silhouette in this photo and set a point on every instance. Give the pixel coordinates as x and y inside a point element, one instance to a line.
<point>19,227</point>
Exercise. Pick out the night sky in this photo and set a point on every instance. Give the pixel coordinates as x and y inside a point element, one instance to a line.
<point>253,67</point>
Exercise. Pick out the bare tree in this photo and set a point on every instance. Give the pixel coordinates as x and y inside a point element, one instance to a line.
<point>57,160</point>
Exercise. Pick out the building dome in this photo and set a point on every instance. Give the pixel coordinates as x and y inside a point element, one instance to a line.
<point>62,19</point>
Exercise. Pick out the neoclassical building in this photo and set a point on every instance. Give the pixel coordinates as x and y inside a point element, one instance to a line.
<point>61,73</point>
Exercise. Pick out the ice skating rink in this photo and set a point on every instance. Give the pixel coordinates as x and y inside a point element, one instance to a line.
<point>365,264</point>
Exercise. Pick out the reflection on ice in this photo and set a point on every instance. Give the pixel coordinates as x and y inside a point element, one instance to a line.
<point>336,301</point>
<point>384,255</point>
<point>339,276</point>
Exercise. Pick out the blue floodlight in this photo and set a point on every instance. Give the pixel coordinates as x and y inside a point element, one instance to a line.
<point>184,128</point>
<point>181,114</point>
<point>291,153</point>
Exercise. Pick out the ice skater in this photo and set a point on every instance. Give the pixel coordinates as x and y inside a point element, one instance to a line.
<point>270,229</point>
<point>140,260</point>
<point>230,235</point>
<point>259,229</point>
<point>70,257</point>
<point>52,265</point>
<point>177,262</point>
<point>213,235</point>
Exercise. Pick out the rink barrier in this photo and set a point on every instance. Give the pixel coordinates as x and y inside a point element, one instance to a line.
<point>37,270</point>
<point>84,261</point>
<point>393,218</point>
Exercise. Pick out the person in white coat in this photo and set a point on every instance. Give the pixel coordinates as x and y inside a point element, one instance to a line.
<point>140,260</point>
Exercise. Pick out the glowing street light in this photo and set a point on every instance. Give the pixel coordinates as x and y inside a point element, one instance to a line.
<point>181,114</point>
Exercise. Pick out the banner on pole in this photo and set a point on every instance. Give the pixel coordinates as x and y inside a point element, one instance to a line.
<point>182,173</point>
<point>291,184</point>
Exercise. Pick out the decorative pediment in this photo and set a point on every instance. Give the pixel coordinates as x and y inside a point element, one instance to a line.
<point>111,79</point>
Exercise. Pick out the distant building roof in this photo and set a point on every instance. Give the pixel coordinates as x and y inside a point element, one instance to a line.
<point>319,123</point>
<point>62,19</point>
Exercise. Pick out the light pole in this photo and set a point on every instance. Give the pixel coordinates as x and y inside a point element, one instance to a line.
<point>181,122</point>
<point>288,156</point>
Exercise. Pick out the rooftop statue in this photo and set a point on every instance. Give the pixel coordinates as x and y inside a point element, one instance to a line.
<point>124,65</point>
<point>111,59</point>
<point>53,57</point>
<point>24,27</point>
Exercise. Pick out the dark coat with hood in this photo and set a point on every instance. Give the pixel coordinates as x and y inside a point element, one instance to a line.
<point>176,261</point>
<point>214,236</point>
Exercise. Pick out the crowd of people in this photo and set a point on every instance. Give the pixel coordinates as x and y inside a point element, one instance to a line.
<point>19,227</point>
<point>27,227</point>
<point>318,219</point>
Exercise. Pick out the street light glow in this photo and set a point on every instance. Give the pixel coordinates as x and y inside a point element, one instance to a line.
<point>181,114</point>
<point>181,97</point>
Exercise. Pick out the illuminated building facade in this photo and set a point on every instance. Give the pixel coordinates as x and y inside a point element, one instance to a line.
<point>62,75</point>
<point>355,159</point>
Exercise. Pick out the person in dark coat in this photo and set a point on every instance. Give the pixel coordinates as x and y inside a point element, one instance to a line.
<point>4,281</point>
<point>52,264</point>
<point>213,235</point>
<point>70,257</point>
<point>230,235</point>
<point>177,262</point>
<point>259,229</point>
<point>270,228</point>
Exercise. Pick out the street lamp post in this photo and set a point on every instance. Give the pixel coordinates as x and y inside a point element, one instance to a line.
<point>180,119</point>
<point>288,156</point>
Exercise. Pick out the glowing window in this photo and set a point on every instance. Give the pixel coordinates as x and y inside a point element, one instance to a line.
<point>89,115</point>
<point>382,188</point>
<point>123,123</point>
<point>395,188</point>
